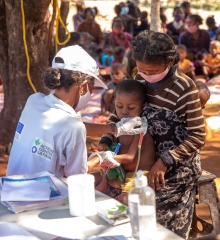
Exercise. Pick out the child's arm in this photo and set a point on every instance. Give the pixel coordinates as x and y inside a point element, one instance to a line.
<point>94,165</point>
<point>130,155</point>
<point>148,153</point>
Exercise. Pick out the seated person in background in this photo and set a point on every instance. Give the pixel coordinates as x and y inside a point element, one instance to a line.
<point>185,65</point>
<point>144,24</point>
<point>78,17</point>
<point>119,55</point>
<point>131,66</point>
<point>118,37</point>
<point>186,9</point>
<point>211,61</point>
<point>75,39</point>
<point>86,39</point>
<point>175,27</point>
<point>92,27</point>
<point>204,93</point>
<point>218,35</point>
<point>120,12</point>
<point>106,56</point>
<point>107,99</point>
<point>212,28</point>
<point>130,97</point>
<point>163,19</point>
<point>196,40</point>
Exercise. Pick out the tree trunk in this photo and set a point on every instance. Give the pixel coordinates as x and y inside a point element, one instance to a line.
<point>13,59</point>
<point>155,24</point>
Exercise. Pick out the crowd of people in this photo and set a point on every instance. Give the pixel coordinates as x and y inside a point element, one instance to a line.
<point>150,77</point>
<point>198,48</point>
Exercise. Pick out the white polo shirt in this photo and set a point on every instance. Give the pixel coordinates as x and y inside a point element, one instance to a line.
<point>49,136</point>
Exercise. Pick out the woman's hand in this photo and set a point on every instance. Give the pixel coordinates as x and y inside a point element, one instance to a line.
<point>156,174</point>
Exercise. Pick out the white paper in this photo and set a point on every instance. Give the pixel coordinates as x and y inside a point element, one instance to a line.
<point>25,191</point>
<point>15,232</point>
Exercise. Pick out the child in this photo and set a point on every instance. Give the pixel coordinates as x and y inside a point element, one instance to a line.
<point>107,99</point>
<point>130,99</point>
<point>185,65</point>
<point>75,39</point>
<point>118,37</point>
<point>212,28</point>
<point>144,24</point>
<point>204,93</point>
<point>211,62</point>
<point>120,56</point>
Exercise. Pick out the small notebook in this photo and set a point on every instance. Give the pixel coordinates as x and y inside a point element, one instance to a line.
<point>58,194</point>
<point>46,179</point>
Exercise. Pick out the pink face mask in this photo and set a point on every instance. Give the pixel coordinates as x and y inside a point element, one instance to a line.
<point>154,78</point>
<point>192,29</point>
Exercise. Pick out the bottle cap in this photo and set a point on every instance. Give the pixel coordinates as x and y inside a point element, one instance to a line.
<point>140,179</point>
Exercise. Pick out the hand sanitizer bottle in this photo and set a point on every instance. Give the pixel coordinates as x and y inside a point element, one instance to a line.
<point>141,204</point>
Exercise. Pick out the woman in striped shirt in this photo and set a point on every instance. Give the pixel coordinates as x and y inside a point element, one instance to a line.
<point>176,124</point>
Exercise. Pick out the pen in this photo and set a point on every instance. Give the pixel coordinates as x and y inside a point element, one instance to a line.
<point>117,149</point>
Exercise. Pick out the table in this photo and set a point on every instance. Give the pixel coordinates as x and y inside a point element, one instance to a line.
<point>51,222</point>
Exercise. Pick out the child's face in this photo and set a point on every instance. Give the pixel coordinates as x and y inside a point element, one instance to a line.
<point>128,105</point>
<point>214,49</point>
<point>118,28</point>
<point>182,53</point>
<point>118,58</point>
<point>90,16</point>
<point>117,75</point>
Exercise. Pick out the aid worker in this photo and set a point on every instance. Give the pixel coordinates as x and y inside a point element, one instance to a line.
<point>50,134</point>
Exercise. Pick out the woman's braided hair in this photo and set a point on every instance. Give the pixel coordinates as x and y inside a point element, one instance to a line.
<point>55,78</point>
<point>154,48</point>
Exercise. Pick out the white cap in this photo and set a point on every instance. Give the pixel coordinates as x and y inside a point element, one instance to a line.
<point>77,59</point>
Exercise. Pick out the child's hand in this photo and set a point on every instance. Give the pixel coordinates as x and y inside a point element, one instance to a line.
<point>102,147</point>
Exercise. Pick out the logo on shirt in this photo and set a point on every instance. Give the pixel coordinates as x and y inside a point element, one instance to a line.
<point>19,130</point>
<point>42,149</point>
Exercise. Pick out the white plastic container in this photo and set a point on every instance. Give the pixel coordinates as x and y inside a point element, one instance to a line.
<point>141,204</point>
<point>81,190</point>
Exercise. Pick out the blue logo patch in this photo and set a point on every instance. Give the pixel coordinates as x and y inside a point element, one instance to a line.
<point>20,127</point>
<point>34,149</point>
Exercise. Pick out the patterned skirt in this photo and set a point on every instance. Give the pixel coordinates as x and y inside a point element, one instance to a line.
<point>175,201</point>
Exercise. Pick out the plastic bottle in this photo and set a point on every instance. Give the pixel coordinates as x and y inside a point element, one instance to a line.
<point>141,204</point>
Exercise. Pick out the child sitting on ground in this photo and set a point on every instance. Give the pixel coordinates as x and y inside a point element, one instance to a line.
<point>211,62</point>
<point>130,99</point>
<point>204,93</point>
<point>119,55</point>
<point>118,37</point>
<point>185,65</point>
<point>107,99</point>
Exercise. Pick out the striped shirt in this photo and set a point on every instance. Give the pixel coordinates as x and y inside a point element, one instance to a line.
<point>179,94</point>
<point>176,93</point>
